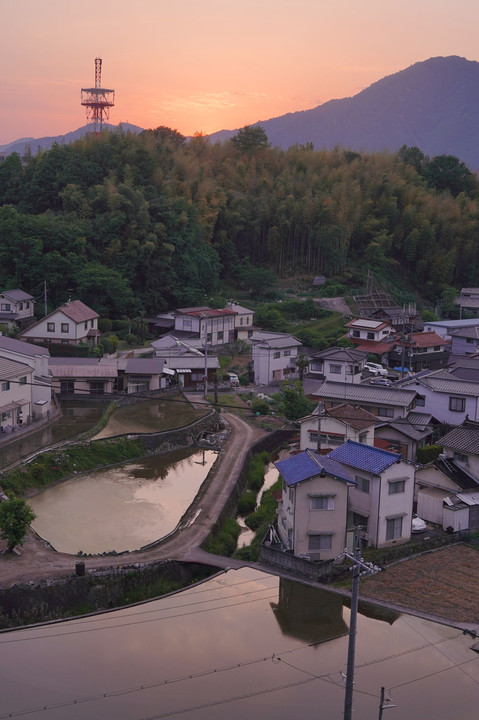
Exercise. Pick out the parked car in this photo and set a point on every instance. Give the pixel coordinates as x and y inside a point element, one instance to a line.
<point>375,369</point>
<point>380,381</point>
<point>418,524</point>
<point>233,379</point>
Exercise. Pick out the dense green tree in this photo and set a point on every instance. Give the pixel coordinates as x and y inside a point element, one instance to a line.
<point>15,517</point>
<point>250,138</point>
<point>292,401</point>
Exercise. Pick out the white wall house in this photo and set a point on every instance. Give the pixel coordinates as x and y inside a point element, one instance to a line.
<point>365,329</point>
<point>244,320</point>
<point>445,397</point>
<point>338,424</point>
<point>313,510</point>
<point>382,499</point>
<point>16,405</point>
<point>16,308</point>
<point>71,324</point>
<point>213,327</point>
<point>383,402</point>
<point>36,358</point>
<point>274,357</point>
<point>338,364</point>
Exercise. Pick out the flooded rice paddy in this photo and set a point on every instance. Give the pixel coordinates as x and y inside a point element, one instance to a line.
<point>123,507</point>
<point>241,645</point>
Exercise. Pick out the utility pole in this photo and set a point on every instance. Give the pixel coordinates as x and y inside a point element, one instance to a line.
<point>382,706</point>
<point>45,297</point>
<point>359,567</point>
<point>206,359</point>
<point>320,410</point>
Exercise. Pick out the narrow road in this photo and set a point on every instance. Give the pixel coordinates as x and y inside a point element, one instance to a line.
<point>35,562</point>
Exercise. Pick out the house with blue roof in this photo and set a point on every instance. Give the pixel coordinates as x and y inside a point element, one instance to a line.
<point>381,499</point>
<point>313,509</point>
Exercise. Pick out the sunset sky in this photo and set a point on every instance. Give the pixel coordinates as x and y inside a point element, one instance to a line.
<point>207,65</point>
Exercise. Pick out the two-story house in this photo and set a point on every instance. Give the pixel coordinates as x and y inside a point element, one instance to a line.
<point>36,358</point>
<point>213,327</point>
<point>313,509</point>
<point>371,336</point>
<point>337,364</point>
<point>16,308</point>
<point>244,321</point>
<point>381,401</point>
<point>16,406</point>
<point>381,501</point>
<point>274,357</point>
<point>335,426</point>
<point>465,341</point>
<point>70,324</point>
<point>445,397</point>
<point>424,350</point>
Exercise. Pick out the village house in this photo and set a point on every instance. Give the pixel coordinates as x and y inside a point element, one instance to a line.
<point>36,358</point>
<point>465,341</point>
<point>445,328</point>
<point>274,357</point>
<point>454,472</point>
<point>244,320</point>
<point>337,364</point>
<point>424,350</point>
<point>16,405</point>
<point>16,308</point>
<point>381,501</point>
<point>336,425</point>
<point>383,402</point>
<point>71,324</point>
<point>468,301</point>
<point>313,509</point>
<point>445,397</point>
<point>406,435</point>
<point>213,327</point>
<point>374,331</point>
<point>83,376</point>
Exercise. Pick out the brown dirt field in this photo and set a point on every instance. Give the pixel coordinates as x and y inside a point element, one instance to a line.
<point>443,583</point>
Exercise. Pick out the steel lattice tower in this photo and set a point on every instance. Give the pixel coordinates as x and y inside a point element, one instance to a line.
<point>97,101</point>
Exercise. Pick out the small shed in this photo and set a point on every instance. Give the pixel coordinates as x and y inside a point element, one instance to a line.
<point>319,280</point>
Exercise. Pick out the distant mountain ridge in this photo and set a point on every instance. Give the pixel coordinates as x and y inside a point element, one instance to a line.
<point>433,105</point>
<point>22,145</point>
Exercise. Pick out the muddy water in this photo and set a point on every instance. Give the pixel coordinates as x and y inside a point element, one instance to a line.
<point>241,645</point>
<point>121,508</point>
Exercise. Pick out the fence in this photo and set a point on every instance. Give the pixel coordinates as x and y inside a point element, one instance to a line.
<point>318,571</point>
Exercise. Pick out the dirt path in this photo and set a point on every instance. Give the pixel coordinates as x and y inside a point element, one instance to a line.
<point>35,562</point>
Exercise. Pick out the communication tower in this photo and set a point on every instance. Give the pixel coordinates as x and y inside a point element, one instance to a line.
<point>97,101</point>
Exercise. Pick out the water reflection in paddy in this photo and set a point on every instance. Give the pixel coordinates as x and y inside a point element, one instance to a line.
<point>243,644</point>
<point>121,508</point>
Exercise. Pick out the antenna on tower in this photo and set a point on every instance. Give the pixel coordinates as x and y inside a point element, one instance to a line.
<point>97,101</point>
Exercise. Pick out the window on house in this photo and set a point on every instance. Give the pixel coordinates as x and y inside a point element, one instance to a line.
<point>86,325</point>
<point>220,336</point>
<point>332,439</point>
<point>27,304</point>
<point>209,337</point>
<point>393,528</point>
<point>291,494</point>
<point>356,333</point>
<point>313,436</point>
<point>187,324</point>
<point>321,502</point>
<point>420,400</point>
<point>276,355</point>
<point>97,387</point>
<point>396,486</point>
<point>469,341</point>
<point>363,484</point>
<point>370,336</point>
<point>50,327</point>
<point>437,348</point>
<point>67,386</point>
<point>460,457</point>
<point>5,306</point>
<point>386,412</point>
<point>335,369</point>
<point>5,385</point>
<point>457,404</point>
<point>65,327</point>
<point>22,380</point>
<point>92,323</point>
<point>363,438</point>
<point>287,353</point>
<point>20,306</point>
<point>320,542</point>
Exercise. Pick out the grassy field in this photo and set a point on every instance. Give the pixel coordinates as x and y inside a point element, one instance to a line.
<point>444,583</point>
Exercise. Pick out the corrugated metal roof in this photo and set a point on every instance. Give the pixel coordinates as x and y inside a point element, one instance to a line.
<point>308,464</point>
<point>364,457</point>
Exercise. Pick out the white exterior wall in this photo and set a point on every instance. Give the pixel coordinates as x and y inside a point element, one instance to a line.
<point>268,369</point>
<point>457,519</point>
<point>76,332</point>
<point>345,374</point>
<point>437,405</point>
<point>429,504</point>
<point>305,522</point>
<point>332,426</point>
<point>20,394</point>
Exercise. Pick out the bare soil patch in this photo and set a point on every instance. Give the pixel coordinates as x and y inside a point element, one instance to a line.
<point>443,583</point>
<point>335,304</point>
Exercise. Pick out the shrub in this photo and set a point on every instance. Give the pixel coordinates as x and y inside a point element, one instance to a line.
<point>428,453</point>
<point>225,539</point>
<point>260,406</point>
<point>105,325</point>
<point>256,470</point>
<point>246,503</point>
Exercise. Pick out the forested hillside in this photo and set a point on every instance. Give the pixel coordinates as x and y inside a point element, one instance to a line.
<point>131,223</point>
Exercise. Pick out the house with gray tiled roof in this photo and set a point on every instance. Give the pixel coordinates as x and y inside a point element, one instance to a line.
<point>70,324</point>
<point>36,358</point>
<point>465,340</point>
<point>337,364</point>
<point>16,406</point>
<point>381,401</point>
<point>16,308</point>
<point>338,424</point>
<point>274,357</point>
<point>445,397</point>
<point>382,499</point>
<point>313,509</point>
<point>406,435</point>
